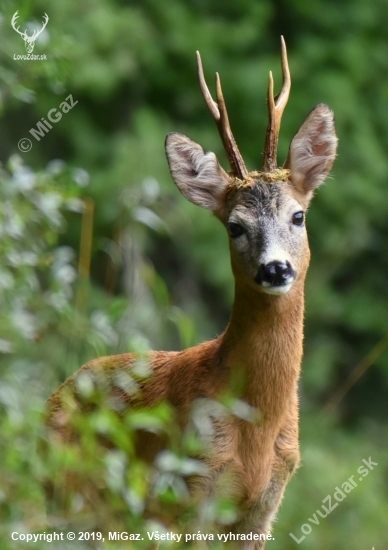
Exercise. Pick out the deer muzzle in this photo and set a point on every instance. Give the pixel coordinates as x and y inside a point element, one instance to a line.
<point>276,277</point>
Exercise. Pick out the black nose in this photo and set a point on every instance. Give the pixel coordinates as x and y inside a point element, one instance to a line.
<point>275,274</point>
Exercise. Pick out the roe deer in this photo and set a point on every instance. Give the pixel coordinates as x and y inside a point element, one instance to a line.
<point>264,215</point>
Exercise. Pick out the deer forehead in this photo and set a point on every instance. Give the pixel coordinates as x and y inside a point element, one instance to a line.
<point>261,200</point>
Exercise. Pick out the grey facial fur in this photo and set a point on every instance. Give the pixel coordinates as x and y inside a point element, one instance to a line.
<point>265,211</point>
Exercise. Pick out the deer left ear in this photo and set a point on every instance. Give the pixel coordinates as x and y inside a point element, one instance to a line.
<point>312,151</point>
<point>197,173</point>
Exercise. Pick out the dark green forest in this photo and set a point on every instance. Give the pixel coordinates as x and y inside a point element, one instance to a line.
<point>100,254</point>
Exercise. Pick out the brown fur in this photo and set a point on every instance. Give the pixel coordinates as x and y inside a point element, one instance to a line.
<point>257,459</point>
<point>250,459</point>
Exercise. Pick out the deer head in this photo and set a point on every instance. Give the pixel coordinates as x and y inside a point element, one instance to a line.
<point>263,211</point>
<point>29,40</point>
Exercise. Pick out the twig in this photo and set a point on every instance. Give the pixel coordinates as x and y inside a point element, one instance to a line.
<point>356,374</point>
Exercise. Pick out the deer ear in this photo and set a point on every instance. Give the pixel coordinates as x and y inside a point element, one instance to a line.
<point>197,173</point>
<point>312,151</point>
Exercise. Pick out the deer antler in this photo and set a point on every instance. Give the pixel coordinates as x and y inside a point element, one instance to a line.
<point>220,115</point>
<point>13,23</point>
<point>45,21</point>
<point>276,107</point>
<point>24,34</point>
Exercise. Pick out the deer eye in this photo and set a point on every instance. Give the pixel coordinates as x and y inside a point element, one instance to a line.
<point>298,218</point>
<point>235,230</point>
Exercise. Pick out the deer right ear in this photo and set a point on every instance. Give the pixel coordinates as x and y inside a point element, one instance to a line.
<point>197,173</point>
<point>312,151</point>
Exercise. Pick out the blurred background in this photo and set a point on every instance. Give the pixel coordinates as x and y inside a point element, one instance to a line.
<point>100,254</point>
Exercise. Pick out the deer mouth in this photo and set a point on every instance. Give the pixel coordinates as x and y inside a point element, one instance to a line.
<point>277,290</point>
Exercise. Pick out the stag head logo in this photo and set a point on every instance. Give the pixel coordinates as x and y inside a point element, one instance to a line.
<point>29,40</point>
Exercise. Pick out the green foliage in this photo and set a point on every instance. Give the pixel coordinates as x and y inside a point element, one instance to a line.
<point>160,275</point>
<point>36,278</point>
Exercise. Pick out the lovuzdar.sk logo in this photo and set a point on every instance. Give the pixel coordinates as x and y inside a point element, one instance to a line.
<point>29,41</point>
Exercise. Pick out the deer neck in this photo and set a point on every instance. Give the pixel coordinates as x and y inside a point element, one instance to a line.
<point>263,342</point>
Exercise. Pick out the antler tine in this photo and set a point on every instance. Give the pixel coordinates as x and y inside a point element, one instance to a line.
<point>276,106</point>
<point>13,23</point>
<point>37,32</point>
<point>213,108</point>
<point>220,115</point>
